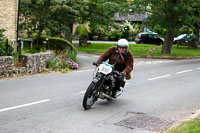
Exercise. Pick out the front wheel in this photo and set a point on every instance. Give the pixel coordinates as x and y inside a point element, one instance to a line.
<point>90,96</point>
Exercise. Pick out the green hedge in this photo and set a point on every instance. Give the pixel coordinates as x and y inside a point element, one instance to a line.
<point>3,49</point>
<point>82,32</point>
<point>55,43</point>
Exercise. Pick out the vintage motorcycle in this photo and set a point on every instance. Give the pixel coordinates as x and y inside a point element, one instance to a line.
<point>102,84</point>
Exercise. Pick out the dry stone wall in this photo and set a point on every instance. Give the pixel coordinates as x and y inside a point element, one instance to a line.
<point>30,64</point>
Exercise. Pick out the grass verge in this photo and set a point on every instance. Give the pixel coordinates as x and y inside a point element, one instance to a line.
<point>181,52</point>
<point>99,48</point>
<point>139,50</point>
<point>192,126</point>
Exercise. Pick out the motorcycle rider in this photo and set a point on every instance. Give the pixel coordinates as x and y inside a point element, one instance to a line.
<point>122,59</point>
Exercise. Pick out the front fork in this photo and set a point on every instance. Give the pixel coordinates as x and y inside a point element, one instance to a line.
<point>99,81</point>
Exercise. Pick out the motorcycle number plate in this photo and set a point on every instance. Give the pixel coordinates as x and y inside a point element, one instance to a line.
<point>105,68</point>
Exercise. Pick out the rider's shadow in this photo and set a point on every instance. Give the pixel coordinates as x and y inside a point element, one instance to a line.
<point>110,103</point>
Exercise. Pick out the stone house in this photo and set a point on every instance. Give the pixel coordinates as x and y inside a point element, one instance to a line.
<point>135,18</point>
<point>8,18</point>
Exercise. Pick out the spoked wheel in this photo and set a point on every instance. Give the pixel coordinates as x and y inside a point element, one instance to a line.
<point>90,96</point>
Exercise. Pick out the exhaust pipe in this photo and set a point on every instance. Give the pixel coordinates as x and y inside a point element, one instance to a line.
<point>106,96</point>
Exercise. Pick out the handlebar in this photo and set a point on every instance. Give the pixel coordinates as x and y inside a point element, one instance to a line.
<point>117,72</point>
<point>97,63</point>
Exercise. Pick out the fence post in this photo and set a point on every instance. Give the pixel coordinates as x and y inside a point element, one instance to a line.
<point>19,47</point>
<point>7,47</point>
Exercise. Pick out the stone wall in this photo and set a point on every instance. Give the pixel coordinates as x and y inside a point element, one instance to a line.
<point>6,66</point>
<point>8,18</point>
<point>30,64</point>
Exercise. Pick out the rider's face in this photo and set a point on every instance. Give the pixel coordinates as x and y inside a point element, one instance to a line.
<point>121,49</point>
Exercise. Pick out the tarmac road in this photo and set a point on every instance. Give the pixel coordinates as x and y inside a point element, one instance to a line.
<point>161,93</point>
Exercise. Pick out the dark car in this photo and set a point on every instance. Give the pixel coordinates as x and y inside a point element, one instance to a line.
<point>183,38</point>
<point>148,38</point>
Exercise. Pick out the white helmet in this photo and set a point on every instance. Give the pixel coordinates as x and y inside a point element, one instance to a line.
<point>122,43</point>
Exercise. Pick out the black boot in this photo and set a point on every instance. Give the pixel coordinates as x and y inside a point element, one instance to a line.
<point>114,93</point>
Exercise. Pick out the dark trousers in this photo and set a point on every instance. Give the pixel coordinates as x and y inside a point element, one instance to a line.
<point>119,83</point>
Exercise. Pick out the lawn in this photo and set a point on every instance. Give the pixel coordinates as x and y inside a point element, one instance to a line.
<point>99,48</point>
<point>192,126</point>
<point>139,50</point>
<point>180,52</point>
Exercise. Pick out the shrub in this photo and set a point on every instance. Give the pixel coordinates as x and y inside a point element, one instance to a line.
<point>3,45</point>
<point>115,34</point>
<point>82,33</point>
<point>62,62</point>
<point>3,49</point>
<point>55,43</point>
<point>41,41</point>
<point>98,30</point>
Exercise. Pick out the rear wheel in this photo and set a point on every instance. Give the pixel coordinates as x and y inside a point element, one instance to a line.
<point>90,96</point>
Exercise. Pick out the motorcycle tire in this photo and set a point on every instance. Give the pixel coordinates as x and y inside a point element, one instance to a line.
<point>90,96</point>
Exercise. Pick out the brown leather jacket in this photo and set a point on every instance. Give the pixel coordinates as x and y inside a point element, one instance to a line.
<point>123,63</point>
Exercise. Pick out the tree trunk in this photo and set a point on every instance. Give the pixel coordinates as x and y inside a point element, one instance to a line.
<point>38,37</point>
<point>68,35</point>
<point>196,32</point>
<point>169,38</point>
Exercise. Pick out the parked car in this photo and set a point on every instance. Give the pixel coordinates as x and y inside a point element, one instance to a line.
<point>186,40</point>
<point>183,38</point>
<point>148,38</point>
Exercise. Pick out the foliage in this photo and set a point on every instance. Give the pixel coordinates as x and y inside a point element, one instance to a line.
<point>99,30</point>
<point>2,36</point>
<point>36,15</point>
<point>3,45</point>
<point>56,43</point>
<point>100,12</point>
<point>115,35</point>
<point>166,14</point>
<point>62,62</point>
<point>124,30</point>
<point>65,14</point>
<point>83,34</point>
<point>82,31</point>
<point>57,17</point>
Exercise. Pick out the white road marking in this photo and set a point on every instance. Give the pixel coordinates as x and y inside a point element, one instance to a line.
<point>164,76</point>
<point>153,62</point>
<point>128,83</point>
<point>184,71</point>
<point>24,105</point>
<point>85,70</point>
<point>198,68</point>
<point>82,92</point>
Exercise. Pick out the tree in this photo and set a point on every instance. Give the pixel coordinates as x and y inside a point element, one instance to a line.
<point>168,14</point>
<point>65,14</point>
<point>196,7</point>
<point>55,16</point>
<point>101,12</point>
<point>36,15</point>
